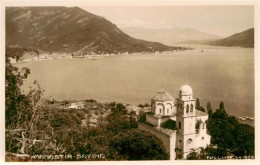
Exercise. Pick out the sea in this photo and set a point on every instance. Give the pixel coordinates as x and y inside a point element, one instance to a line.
<point>215,74</point>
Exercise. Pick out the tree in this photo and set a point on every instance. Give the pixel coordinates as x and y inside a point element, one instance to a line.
<point>210,152</point>
<point>138,145</point>
<point>141,105</point>
<point>227,133</point>
<point>22,111</point>
<point>221,106</point>
<point>216,152</point>
<point>193,155</point>
<point>197,103</point>
<point>244,135</point>
<point>96,113</point>
<point>209,109</point>
<point>198,107</point>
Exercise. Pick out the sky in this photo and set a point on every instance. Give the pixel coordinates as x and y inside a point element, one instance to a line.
<point>219,20</point>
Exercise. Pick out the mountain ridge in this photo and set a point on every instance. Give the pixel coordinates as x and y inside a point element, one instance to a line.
<point>70,30</point>
<point>169,36</point>
<point>241,39</point>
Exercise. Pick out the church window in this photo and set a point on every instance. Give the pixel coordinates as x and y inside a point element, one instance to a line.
<point>191,108</point>
<point>180,143</point>
<point>179,125</point>
<point>203,125</point>
<point>187,109</point>
<point>160,110</point>
<point>202,138</point>
<point>167,110</point>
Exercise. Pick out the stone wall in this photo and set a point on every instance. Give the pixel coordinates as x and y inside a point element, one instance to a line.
<point>153,120</point>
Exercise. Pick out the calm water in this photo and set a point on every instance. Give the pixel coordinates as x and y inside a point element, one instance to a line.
<point>217,73</point>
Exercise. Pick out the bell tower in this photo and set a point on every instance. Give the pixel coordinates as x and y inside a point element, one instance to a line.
<point>185,120</point>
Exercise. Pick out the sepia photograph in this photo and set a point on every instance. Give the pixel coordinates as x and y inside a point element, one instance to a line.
<point>129,82</point>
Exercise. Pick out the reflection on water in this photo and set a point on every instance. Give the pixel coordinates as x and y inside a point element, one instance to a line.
<point>217,73</point>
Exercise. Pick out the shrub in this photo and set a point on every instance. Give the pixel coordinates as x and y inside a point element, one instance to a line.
<point>96,113</point>
<point>91,100</point>
<point>146,105</point>
<point>141,105</point>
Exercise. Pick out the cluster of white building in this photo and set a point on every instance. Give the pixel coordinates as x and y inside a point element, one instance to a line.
<point>181,112</point>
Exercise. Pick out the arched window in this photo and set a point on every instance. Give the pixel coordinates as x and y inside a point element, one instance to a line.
<point>160,110</point>
<point>180,143</point>
<point>167,110</point>
<point>191,108</point>
<point>187,109</point>
<point>203,125</point>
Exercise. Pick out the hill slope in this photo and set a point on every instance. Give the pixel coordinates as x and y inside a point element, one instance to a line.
<point>242,39</point>
<point>169,36</point>
<point>62,29</point>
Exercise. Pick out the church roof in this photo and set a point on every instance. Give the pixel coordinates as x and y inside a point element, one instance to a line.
<point>200,113</point>
<point>185,90</point>
<point>166,131</point>
<point>162,95</point>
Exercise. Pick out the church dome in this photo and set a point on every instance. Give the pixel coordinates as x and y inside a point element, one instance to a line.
<point>185,90</point>
<point>162,95</point>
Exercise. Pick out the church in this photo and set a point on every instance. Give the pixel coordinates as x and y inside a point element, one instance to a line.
<point>177,122</point>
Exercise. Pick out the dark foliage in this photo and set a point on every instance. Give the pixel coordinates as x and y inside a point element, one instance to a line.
<point>170,124</point>
<point>91,100</point>
<point>141,105</point>
<point>227,133</point>
<point>209,109</point>
<point>138,145</point>
<point>198,106</point>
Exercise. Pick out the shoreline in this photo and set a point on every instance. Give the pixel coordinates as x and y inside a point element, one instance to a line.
<point>249,122</point>
<point>90,57</point>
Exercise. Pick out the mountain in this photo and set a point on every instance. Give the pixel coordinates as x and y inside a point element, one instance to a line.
<point>169,36</point>
<point>70,30</point>
<point>242,39</point>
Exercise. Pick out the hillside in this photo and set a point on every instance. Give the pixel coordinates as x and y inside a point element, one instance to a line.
<point>242,39</point>
<point>70,30</point>
<point>169,36</point>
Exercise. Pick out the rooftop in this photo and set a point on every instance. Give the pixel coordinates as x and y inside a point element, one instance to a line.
<point>162,95</point>
<point>166,131</point>
<point>185,90</point>
<point>78,103</point>
<point>200,113</point>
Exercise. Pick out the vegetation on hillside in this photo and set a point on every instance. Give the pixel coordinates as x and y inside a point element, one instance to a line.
<point>228,137</point>
<point>33,128</point>
<point>71,30</point>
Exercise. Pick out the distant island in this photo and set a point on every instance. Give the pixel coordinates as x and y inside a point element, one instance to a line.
<point>242,39</point>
